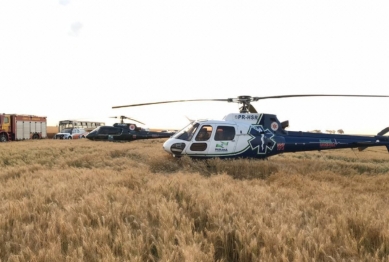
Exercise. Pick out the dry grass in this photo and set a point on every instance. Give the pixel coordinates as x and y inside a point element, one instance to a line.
<point>100,201</point>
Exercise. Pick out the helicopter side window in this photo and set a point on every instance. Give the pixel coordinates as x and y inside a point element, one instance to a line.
<point>110,130</point>
<point>204,133</point>
<point>224,133</point>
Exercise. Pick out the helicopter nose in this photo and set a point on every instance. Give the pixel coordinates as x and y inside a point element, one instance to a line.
<point>173,146</point>
<point>166,146</point>
<point>91,135</point>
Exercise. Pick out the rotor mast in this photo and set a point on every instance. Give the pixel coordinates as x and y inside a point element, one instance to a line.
<point>246,104</point>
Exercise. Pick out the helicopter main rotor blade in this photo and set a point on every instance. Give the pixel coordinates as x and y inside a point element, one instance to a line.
<point>246,100</point>
<point>286,96</point>
<point>173,101</point>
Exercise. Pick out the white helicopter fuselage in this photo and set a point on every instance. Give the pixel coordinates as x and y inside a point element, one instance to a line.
<point>231,137</point>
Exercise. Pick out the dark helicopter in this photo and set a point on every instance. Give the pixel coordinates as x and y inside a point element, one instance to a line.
<point>249,134</point>
<point>125,132</point>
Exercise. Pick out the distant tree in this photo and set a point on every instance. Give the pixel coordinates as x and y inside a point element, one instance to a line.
<point>316,131</point>
<point>330,131</point>
<point>340,131</point>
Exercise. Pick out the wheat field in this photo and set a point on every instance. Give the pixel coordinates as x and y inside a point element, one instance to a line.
<point>82,200</point>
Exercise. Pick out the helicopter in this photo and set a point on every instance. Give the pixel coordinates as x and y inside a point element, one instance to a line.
<point>125,132</point>
<point>249,134</point>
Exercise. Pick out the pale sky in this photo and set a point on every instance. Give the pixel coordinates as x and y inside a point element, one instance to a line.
<point>68,59</point>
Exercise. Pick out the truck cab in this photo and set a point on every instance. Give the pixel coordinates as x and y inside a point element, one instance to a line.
<point>5,127</point>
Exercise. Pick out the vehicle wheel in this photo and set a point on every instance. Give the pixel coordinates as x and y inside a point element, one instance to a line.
<point>35,136</point>
<point>3,138</point>
<point>70,137</point>
<point>81,137</point>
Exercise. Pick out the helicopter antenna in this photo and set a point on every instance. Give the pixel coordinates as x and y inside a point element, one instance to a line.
<point>190,120</point>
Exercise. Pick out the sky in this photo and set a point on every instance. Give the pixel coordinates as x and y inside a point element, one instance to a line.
<point>68,59</point>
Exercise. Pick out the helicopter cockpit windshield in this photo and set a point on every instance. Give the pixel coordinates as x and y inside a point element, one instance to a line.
<point>187,132</point>
<point>94,131</point>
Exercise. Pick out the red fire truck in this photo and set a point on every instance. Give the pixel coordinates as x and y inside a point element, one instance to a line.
<point>22,127</point>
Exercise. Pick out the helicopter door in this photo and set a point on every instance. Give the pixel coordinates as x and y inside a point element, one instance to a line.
<point>201,142</point>
<point>224,140</point>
